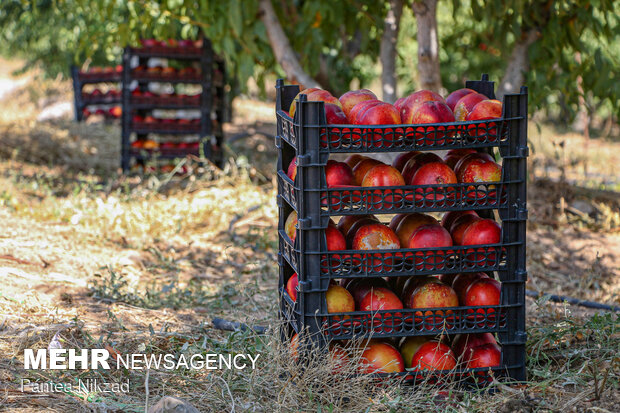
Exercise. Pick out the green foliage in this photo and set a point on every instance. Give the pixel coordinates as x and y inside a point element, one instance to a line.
<point>575,40</point>
<point>335,50</point>
<point>55,34</point>
<point>338,42</point>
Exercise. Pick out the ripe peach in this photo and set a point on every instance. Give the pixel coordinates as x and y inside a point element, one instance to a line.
<point>431,112</point>
<point>463,343</point>
<point>290,225</point>
<point>150,144</point>
<point>356,226</point>
<point>357,110</point>
<point>354,159</point>
<point>402,159</point>
<point>376,236</point>
<point>487,109</point>
<point>292,169</point>
<point>339,300</point>
<point>294,347</point>
<point>455,96</point>
<point>399,103</point>
<point>313,94</point>
<point>484,355</point>
<point>485,231</point>
<point>360,287</point>
<point>335,242</point>
<point>116,111</point>
<point>413,164</point>
<point>455,155</point>
<point>467,159</point>
<point>291,287</point>
<point>409,104</point>
<point>483,292</point>
<point>353,97</point>
<point>409,346</point>
<point>434,173</point>
<point>466,104</point>
<point>433,356</point>
<point>334,116</point>
<point>462,282</point>
<point>449,217</point>
<point>335,239</point>
<point>410,224</point>
<point>405,286</point>
<point>324,96</point>
<point>460,226</point>
<point>381,357</point>
<point>361,169</point>
<point>432,294</point>
<point>338,173</point>
<point>430,236</point>
<point>383,175</point>
<point>381,114</point>
<point>378,299</point>
<point>480,170</point>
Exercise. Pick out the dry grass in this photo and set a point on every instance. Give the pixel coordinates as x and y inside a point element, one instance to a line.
<point>142,264</point>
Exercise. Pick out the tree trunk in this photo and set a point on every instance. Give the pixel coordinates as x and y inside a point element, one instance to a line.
<point>387,54</point>
<point>428,44</point>
<point>518,64</point>
<point>285,55</point>
<point>584,114</point>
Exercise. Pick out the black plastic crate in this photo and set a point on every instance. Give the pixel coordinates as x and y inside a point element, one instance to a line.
<point>211,100</point>
<point>309,138</point>
<point>81,100</point>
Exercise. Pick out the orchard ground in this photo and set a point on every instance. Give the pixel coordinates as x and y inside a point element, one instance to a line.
<point>92,259</point>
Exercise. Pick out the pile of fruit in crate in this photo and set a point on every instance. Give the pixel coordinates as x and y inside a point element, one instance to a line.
<point>361,107</point>
<point>415,353</point>
<point>409,230</point>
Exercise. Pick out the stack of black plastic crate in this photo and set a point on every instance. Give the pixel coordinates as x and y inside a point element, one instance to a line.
<point>307,137</point>
<point>200,138</point>
<point>98,102</point>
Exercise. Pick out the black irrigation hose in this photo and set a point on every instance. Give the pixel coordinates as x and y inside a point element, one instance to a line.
<point>575,301</point>
<point>221,324</point>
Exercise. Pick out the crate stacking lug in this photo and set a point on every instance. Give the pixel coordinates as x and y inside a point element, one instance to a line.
<point>303,160</point>
<point>278,141</point>
<point>304,223</point>
<point>521,275</point>
<point>520,212</point>
<point>523,151</point>
<point>304,286</point>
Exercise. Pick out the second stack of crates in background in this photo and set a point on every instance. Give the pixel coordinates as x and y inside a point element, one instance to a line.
<point>103,99</point>
<point>174,103</point>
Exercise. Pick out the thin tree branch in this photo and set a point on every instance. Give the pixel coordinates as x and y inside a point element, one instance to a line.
<point>285,55</point>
